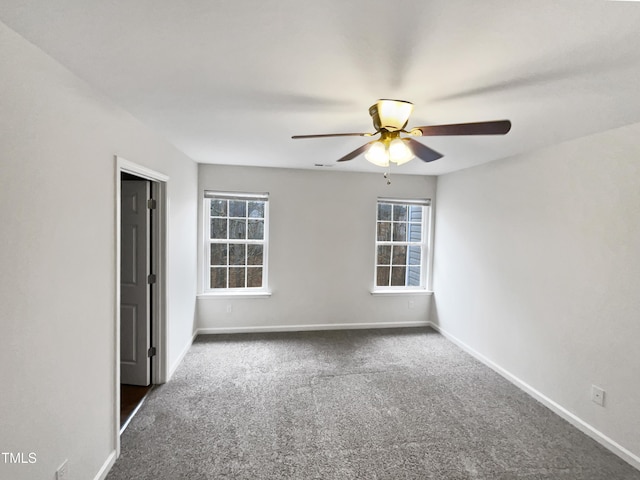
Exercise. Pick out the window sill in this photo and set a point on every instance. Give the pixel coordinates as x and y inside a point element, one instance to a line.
<point>420,291</point>
<point>213,296</point>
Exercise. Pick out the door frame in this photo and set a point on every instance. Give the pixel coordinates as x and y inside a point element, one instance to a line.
<point>159,329</point>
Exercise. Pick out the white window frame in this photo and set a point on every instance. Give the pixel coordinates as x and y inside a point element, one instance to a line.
<point>210,195</point>
<point>425,244</point>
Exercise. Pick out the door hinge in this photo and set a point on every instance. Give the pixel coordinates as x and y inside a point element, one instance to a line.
<point>151,279</point>
<point>151,204</point>
<point>151,352</point>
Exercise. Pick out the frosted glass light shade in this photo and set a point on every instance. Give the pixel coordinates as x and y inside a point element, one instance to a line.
<point>394,114</point>
<point>377,154</point>
<point>399,152</point>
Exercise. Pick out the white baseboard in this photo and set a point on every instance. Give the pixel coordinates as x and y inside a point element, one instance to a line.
<point>177,363</point>
<point>305,328</point>
<point>558,409</point>
<point>102,473</point>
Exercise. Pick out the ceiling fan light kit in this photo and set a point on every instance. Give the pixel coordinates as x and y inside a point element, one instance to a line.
<point>377,154</point>
<point>390,117</point>
<point>390,148</point>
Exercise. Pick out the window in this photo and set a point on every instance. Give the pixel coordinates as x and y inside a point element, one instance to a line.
<point>401,243</point>
<point>236,226</point>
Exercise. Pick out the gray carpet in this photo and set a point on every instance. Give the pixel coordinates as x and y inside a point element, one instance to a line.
<point>363,404</point>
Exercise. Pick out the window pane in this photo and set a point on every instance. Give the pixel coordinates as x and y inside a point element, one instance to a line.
<point>413,276</point>
<point>218,228</point>
<point>237,245</point>
<point>400,242</point>
<point>218,254</point>
<point>398,276</point>
<point>236,277</point>
<point>237,254</point>
<point>254,277</point>
<point>237,229</point>
<point>382,276</point>
<point>415,213</point>
<point>384,254</point>
<point>218,277</point>
<point>384,211</point>
<point>399,231</point>
<point>384,231</point>
<point>254,254</point>
<point>399,255</point>
<point>399,213</point>
<point>256,229</point>
<point>256,209</point>
<point>218,208</point>
<point>237,208</point>
<point>415,255</point>
<point>415,232</point>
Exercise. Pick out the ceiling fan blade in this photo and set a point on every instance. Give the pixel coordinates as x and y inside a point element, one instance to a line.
<point>497,127</point>
<point>421,151</point>
<point>333,135</point>
<point>355,153</point>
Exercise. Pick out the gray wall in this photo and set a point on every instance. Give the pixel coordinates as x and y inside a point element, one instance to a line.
<point>537,269</point>
<point>321,253</point>
<point>58,139</point>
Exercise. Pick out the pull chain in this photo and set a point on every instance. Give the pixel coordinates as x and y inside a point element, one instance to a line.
<point>387,175</point>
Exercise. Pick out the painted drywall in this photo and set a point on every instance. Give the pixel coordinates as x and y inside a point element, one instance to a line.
<point>537,269</point>
<point>58,139</point>
<point>321,250</point>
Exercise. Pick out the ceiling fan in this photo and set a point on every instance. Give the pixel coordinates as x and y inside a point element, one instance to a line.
<point>390,117</point>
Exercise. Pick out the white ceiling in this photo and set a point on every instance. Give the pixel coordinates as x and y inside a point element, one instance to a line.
<point>229,82</point>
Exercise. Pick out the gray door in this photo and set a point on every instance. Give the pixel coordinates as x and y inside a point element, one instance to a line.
<point>135,290</point>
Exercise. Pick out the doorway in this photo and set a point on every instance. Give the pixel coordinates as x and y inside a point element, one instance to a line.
<point>140,356</point>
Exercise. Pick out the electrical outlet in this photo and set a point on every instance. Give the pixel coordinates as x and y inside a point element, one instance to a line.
<point>63,472</point>
<point>411,304</point>
<point>597,395</point>
<point>229,308</point>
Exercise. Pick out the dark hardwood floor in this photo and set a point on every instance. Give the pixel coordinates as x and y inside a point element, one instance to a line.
<point>130,397</point>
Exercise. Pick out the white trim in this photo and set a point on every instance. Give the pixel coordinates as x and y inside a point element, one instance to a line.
<point>431,229</point>
<point>106,466</point>
<point>601,438</point>
<point>160,299</point>
<point>184,352</point>
<point>160,361</point>
<point>236,195</point>
<point>405,201</point>
<point>401,291</point>
<point>306,328</point>
<point>139,170</point>
<point>237,294</point>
